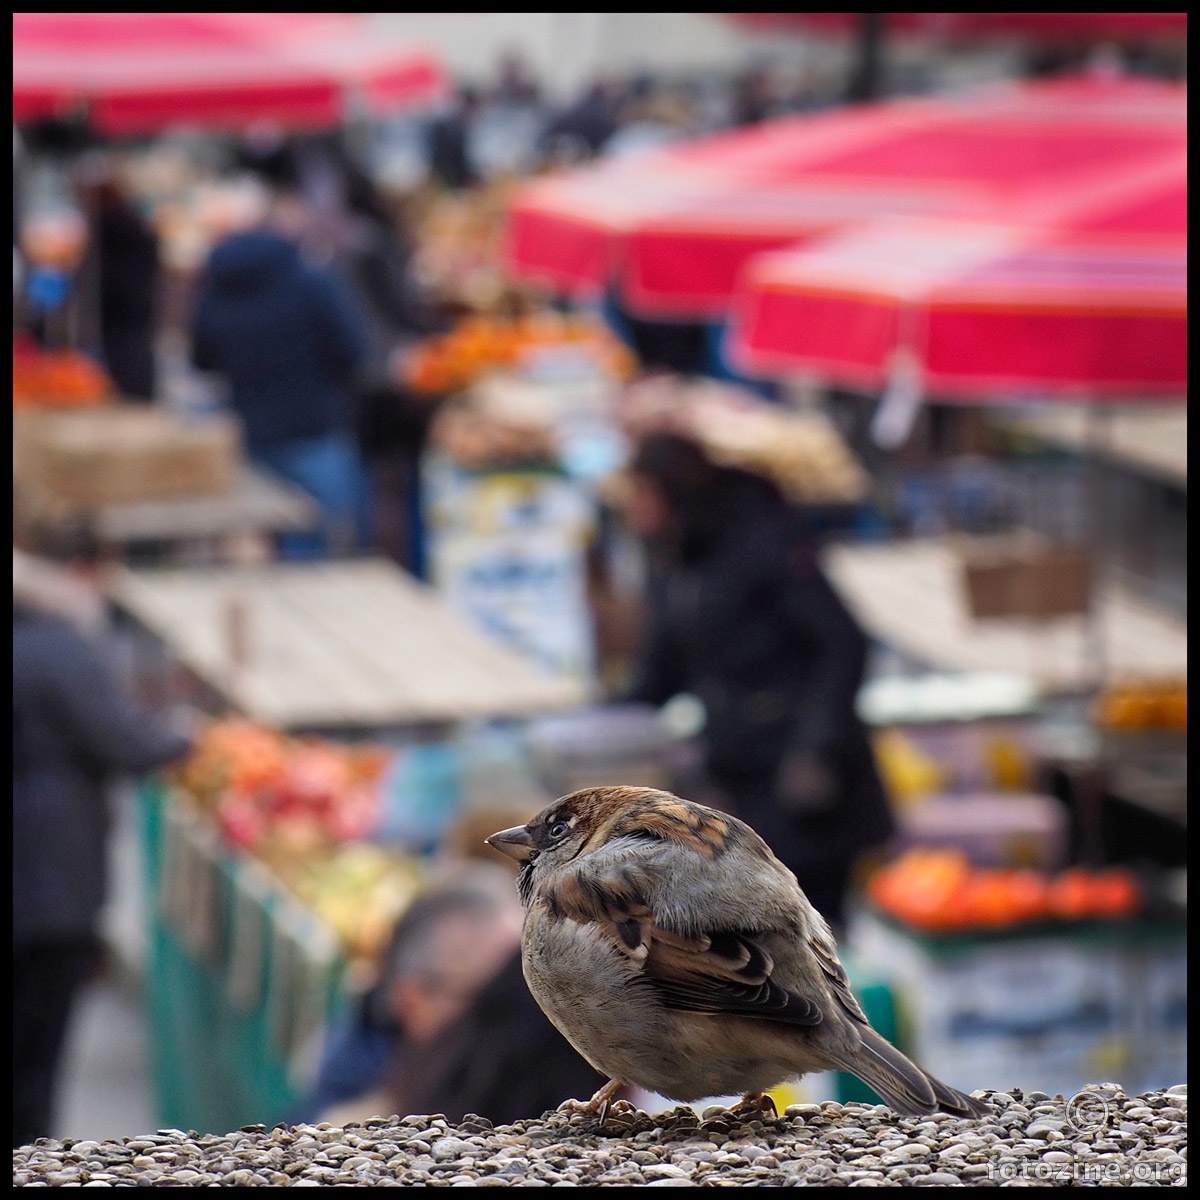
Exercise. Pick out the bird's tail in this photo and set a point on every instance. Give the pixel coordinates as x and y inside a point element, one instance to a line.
<point>905,1087</point>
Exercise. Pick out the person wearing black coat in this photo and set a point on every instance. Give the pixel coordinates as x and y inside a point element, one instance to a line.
<point>290,339</point>
<point>392,421</point>
<point>741,616</point>
<point>450,1027</point>
<point>129,271</point>
<point>73,732</point>
<point>501,1060</point>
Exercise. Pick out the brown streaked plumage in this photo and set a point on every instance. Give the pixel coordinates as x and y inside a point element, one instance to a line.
<point>675,952</point>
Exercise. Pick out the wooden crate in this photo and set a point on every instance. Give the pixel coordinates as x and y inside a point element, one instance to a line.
<point>77,461</point>
<point>1024,576</point>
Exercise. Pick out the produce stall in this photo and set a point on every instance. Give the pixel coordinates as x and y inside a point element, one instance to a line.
<point>911,594</point>
<point>524,429</point>
<point>278,862</point>
<point>1009,948</point>
<point>90,468</point>
<point>1052,980</point>
<point>269,903</point>
<point>351,646</point>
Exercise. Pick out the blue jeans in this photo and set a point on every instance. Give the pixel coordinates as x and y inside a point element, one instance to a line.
<point>328,468</point>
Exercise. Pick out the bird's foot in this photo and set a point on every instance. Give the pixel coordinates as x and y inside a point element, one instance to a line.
<point>599,1104</point>
<point>754,1103</point>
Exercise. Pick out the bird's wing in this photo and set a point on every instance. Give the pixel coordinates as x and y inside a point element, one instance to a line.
<point>835,975</point>
<point>713,971</point>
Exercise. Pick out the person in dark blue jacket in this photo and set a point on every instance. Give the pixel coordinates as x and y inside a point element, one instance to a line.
<point>289,339</point>
<point>73,731</point>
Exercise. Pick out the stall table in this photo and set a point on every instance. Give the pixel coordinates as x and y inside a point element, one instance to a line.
<point>910,595</point>
<point>259,504</point>
<point>343,645</point>
<point>1151,439</point>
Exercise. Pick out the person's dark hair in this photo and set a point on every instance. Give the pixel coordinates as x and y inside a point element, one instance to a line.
<point>476,893</point>
<point>702,495</point>
<point>676,465</point>
<point>501,1060</point>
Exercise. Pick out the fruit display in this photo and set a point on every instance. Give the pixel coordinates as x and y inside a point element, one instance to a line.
<point>357,889</point>
<point>942,891</point>
<point>56,378</point>
<point>476,441</point>
<point>908,772</point>
<point>450,362</point>
<point>800,450</point>
<point>55,237</point>
<point>459,238</point>
<point>1159,704</point>
<point>281,796</point>
<point>303,807</point>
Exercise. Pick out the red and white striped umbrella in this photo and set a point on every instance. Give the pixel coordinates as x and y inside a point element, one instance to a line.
<point>672,229</point>
<point>140,72</point>
<point>1089,300</point>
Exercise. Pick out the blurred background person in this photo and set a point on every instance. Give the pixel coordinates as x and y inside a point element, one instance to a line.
<point>451,1027</point>
<point>392,421</point>
<point>450,162</point>
<point>588,122</point>
<point>741,616</point>
<point>516,82</point>
<point>74,731</point>
<point>125,258</point>
<point>290,339</point>
<point>753,97</point>
<point>651,118</point>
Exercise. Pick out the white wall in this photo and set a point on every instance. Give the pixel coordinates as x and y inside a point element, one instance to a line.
<point>567,49</point>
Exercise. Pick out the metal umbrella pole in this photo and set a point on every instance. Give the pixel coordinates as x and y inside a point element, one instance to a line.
<point>1097,440</point>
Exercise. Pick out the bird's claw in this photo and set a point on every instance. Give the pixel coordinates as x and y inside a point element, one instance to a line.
<point>600,1104</point>
<point>753,1104</point>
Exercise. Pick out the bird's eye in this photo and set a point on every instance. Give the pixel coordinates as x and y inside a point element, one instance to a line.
<point>559,829</point>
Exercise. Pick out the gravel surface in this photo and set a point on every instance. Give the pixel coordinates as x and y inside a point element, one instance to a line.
<point>1106,1136</point>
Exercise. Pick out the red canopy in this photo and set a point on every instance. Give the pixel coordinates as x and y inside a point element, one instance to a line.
<point>1090,300</point>
<point>139,72</point>
<point>672,229</point>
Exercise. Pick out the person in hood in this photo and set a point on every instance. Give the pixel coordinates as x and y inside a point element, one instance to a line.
<point>74,732</point>
<point>289,338</point>
<point>741,616</point>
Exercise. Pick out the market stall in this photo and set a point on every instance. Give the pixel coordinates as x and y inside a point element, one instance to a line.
<point>1048,1002</point>
<point>524,429</point>
<point>141,72</point>
<point>353,645</point>
<point>913,594</point>
<point>122,477</point>
<point>277,863</point>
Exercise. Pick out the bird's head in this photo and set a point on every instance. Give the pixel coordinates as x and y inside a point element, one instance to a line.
<point>591,818</point>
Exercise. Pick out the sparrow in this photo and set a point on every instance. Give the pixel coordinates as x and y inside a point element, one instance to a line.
<point>676,953</point>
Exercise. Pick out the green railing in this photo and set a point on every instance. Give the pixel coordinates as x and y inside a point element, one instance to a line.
<point>241,979</point>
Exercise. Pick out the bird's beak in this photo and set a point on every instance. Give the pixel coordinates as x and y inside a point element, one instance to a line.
<point>516,843</point>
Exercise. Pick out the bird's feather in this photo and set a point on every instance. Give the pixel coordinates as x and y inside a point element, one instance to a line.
<point>716,972</point>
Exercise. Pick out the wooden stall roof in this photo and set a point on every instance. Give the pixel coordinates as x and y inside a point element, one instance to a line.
<point>910,595</point>
<point>334,645</point>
